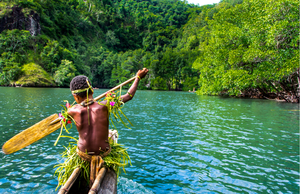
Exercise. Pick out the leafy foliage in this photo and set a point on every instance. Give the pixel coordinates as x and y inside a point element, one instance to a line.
<point>227,48</point>
<point>33,75</point>
<point>65,73</point>
<point>251,45</point>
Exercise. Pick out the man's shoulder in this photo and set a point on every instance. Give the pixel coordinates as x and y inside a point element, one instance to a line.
<point>99,106</point>
<point>75,108</point>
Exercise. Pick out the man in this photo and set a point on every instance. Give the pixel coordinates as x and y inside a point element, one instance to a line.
<point>92,122</point>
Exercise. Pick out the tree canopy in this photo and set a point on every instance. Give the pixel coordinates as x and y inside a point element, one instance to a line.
<point>236,47</point>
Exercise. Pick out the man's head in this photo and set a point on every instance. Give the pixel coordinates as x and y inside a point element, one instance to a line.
<point>80,85</point>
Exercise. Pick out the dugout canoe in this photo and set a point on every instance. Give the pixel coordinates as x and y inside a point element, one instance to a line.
<point>105,183</point>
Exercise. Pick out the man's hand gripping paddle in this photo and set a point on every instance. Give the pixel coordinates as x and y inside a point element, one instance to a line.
<point>43,128</point>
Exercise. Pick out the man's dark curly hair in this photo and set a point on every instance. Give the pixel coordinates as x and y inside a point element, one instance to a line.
<point>79,82</point>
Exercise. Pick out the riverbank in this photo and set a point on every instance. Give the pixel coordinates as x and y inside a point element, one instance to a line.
<point>279,96</point>
<point>250,94</point>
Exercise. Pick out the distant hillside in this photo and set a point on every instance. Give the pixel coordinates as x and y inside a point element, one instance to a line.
<point>237,48</point>
<point>89,34</point>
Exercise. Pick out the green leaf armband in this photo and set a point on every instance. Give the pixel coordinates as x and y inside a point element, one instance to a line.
<point>129,94</point>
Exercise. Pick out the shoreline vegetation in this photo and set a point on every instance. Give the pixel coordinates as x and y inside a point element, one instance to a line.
<point>236,48</point>
<point>271,96</point>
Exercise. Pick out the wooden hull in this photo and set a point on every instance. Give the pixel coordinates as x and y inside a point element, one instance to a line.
<point>105,184</point>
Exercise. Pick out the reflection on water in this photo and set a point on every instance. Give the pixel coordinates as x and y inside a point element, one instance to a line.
<point>180,143</point>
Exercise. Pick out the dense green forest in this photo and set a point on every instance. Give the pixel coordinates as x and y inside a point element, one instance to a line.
<point>235,48</point>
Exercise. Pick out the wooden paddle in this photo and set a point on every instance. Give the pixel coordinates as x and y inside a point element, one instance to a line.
<point>43,128</point>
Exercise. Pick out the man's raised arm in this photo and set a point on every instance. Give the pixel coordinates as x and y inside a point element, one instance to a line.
<point>131,92</point>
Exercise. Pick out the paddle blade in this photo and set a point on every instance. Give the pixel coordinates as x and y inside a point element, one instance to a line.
<point>31,135</point>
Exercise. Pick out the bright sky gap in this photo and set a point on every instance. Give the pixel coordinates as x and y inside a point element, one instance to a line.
<point>203,2</point>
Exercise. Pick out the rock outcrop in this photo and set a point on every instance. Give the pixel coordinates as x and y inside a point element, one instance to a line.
<point>16,19</point>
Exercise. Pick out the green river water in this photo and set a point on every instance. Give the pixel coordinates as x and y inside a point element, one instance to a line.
<point>180,143</point>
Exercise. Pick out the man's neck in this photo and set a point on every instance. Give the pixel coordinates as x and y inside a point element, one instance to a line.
<point>90,98</point>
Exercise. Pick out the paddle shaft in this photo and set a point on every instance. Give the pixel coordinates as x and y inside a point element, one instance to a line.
<point>115,88</point>
<point>103,95</point>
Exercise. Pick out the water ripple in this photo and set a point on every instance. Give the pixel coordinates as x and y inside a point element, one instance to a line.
<point>180,143</point>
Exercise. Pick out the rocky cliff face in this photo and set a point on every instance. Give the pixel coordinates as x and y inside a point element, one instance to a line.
<point>17,20</point>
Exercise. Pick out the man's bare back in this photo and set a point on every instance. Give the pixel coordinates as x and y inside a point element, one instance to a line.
<point>92,128</point>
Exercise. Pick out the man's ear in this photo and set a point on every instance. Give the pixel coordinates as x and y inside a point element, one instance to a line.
<point>76,97</point>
